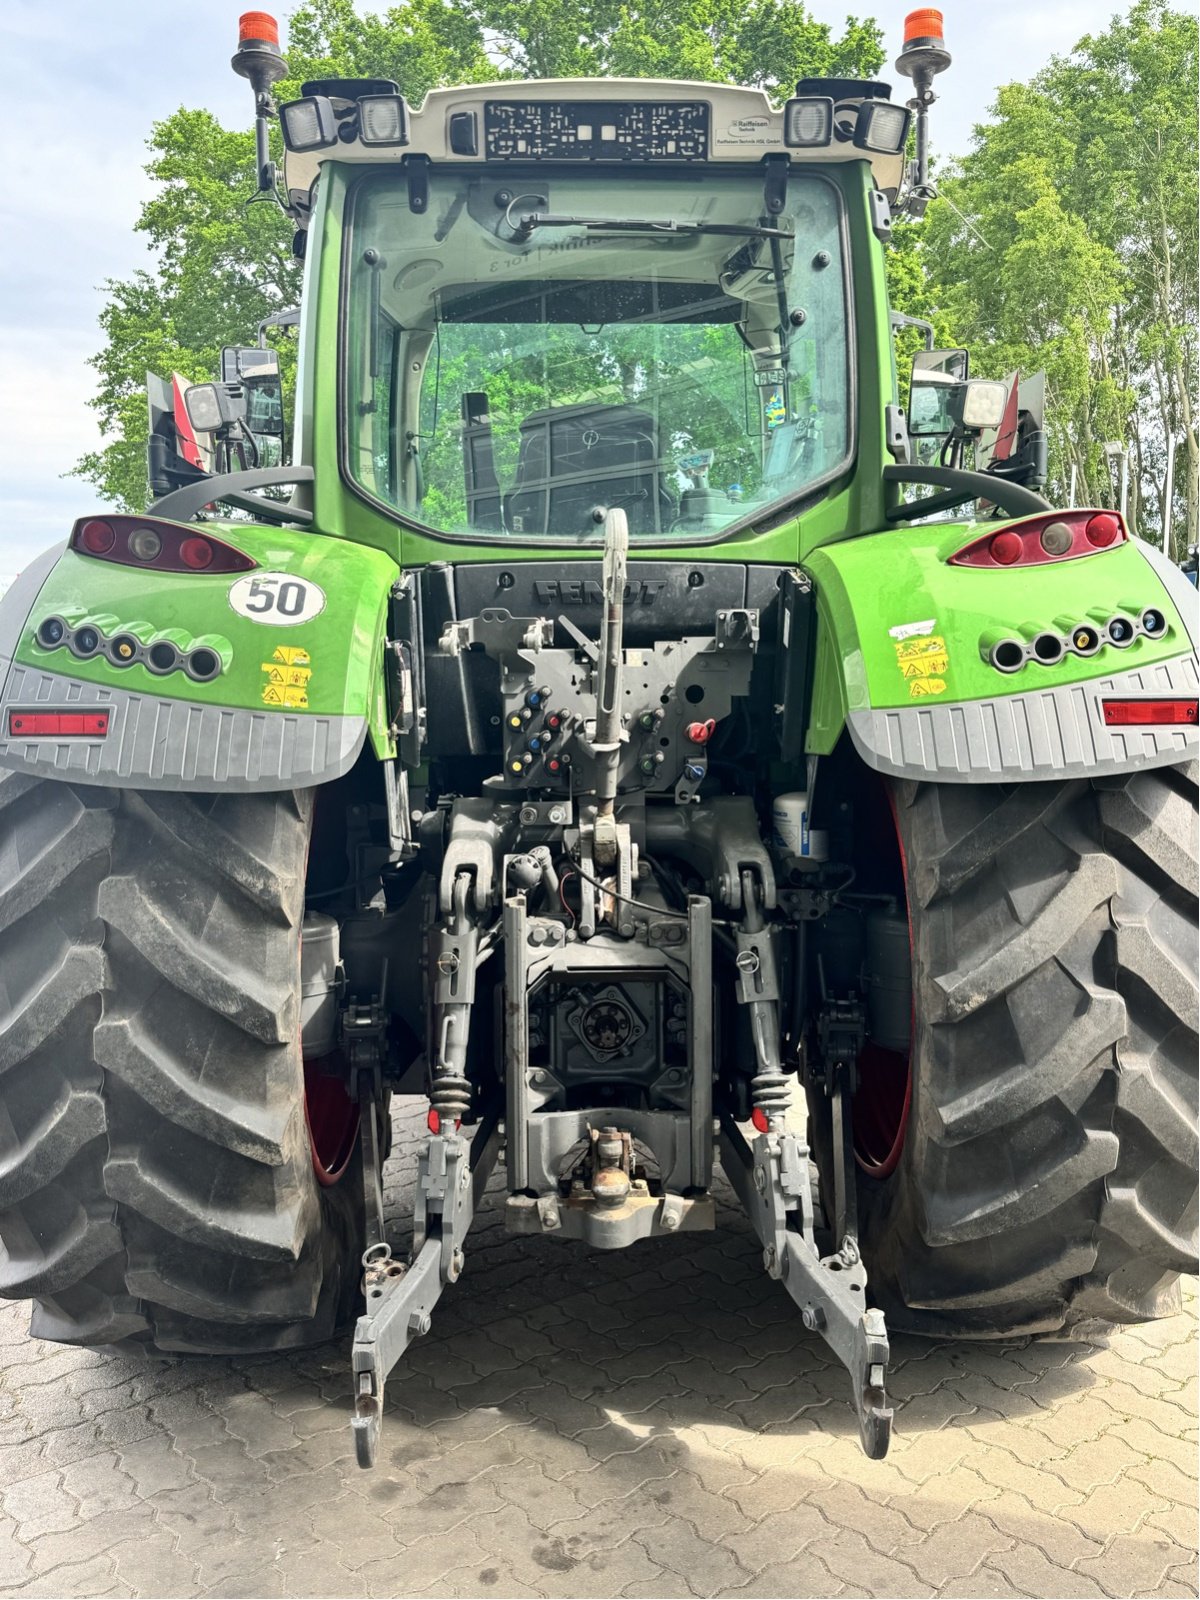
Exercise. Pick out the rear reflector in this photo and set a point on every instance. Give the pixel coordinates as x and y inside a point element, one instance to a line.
<point>58,724</point>
<point>1150,713</point>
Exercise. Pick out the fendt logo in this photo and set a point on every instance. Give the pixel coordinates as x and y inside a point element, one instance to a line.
<point>589,592</point>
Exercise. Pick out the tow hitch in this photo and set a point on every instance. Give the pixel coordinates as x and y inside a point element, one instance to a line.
<point>452,1174</point>
<point>773,1180</point>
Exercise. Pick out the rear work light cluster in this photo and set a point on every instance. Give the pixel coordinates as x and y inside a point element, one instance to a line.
<point>86,641</point>
<point>161,546</point>
<point>1049,646</point>
<point>1048,536</point>
<point>58,724</point>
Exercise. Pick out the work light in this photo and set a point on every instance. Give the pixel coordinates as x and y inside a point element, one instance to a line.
<point>209,406</point>
<point>309,124</point>
<point>881,127</point>
<point>807,123</point>
<point>383,119</point>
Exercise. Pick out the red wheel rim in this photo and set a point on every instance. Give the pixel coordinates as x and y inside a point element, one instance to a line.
<point>884,1098</point>
<point>332,1119</point>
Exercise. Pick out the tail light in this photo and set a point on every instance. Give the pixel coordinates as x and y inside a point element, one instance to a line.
<point>1048,536</point>
<point>58,724</point>
<point>157,546</point>
<point>1170,712</point>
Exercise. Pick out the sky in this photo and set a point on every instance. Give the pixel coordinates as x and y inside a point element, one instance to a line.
<point>92,80</point>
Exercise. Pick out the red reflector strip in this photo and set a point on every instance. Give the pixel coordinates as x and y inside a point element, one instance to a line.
<point>58,724</point>
<point>1147,713</point>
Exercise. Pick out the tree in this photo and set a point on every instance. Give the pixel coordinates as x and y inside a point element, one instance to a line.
<point>1067,239</point>
<point>221,265</point>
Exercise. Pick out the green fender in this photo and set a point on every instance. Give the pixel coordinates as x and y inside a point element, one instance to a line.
<point>300,687</point>
<point>903,645</point>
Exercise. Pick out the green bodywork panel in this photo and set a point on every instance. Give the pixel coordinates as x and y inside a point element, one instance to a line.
<point>343,643</point>
<point>867,587</point>
<point>867,582</point>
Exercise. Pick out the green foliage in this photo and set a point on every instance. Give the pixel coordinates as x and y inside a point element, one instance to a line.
<point>219,265</point>
<point>1067,239</point>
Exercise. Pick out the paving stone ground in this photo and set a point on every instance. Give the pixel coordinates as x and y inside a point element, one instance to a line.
<point>652,1422</point>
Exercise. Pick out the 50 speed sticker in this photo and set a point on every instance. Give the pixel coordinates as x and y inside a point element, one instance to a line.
<point>277,598</point>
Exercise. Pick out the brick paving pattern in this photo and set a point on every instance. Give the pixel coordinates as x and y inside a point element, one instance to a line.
<point>650,1422</point>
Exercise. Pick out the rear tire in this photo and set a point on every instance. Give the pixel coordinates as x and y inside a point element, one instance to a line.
<point>1048,1174</point>
<point>157,1185</point>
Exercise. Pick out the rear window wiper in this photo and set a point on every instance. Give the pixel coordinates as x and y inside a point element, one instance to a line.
<point>546,219</point>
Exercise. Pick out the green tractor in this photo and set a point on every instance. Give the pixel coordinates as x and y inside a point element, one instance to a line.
<point>620,722</point>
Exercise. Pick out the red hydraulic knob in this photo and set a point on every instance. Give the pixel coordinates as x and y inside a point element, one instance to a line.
<point>701,732</point>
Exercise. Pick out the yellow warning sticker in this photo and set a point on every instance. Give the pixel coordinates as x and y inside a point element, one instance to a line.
<point>286,678</point>
<point>923,659</point>
<point>919,688</point>
<point>285,695</point>
<point>929,667</point>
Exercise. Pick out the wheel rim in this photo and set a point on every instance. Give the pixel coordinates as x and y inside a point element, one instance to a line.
<point>884,1098</point>
<point>332,1118</point>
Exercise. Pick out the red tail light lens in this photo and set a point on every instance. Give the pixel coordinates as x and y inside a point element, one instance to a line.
<point>158,546</point>
<point>1103,529</point>
<point>58,724</point>
<point>1049,536</point>
<point>1151,713</point>
<point>196,553</point>
<point>1006,548</point>
<point>97,537</point>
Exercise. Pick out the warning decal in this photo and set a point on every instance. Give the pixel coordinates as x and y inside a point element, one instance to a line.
<point>923,664</point>
<point>285,680</point>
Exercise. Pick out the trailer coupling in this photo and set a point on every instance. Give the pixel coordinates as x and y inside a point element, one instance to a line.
<point>773,1180</point>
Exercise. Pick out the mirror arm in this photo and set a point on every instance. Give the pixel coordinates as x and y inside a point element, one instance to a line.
<point>181,505</point>
<point>901,319</point>
<point>964,485</point>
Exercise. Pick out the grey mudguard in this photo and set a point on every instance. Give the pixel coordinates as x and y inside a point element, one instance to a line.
<point>1053,732</point>
<point>175,744</point>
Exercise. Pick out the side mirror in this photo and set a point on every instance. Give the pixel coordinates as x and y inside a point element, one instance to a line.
<point>943,401</point>
<point>953,364</point>
<point>239,362</point>
<point>936,374</point>
<point>257,372</point>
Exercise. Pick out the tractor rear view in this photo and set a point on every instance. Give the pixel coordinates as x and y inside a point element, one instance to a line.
<point>633,731</point>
